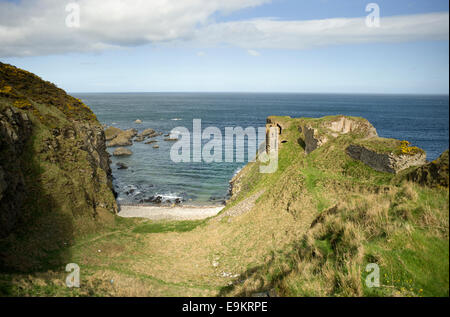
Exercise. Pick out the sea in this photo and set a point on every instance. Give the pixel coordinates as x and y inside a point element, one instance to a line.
<point>421,119</point>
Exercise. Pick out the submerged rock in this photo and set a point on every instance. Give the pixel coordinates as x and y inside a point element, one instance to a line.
<point>139,138</point>
<point>121,166</point>
<point>154,199</point>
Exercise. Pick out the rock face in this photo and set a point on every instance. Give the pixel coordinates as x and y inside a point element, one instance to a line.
<point>53,160</point>
<point>385,162</point>
<point>313,139</point>
<point>15,130</point>
<point>316,135</point>
<point>121,151</point>
<point>274,130</point>
<point>344,125</point>
<point>433,174</point>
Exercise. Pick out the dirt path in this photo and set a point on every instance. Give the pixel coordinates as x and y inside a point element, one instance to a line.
<point>169,213</point>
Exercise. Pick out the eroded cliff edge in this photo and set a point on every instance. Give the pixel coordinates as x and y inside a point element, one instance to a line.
<point>55,179</point>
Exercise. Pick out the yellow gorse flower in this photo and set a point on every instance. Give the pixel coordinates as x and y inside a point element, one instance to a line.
<point>405,148</point>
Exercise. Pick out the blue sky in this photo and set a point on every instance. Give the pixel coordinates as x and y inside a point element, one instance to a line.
<point>224,49</point>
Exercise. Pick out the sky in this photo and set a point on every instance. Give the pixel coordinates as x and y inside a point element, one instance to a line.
<point>298,46</point>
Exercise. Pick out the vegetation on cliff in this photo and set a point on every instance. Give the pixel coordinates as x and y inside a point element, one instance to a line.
<point>308,229</point>
<point>54,172</point>
<point>351,215</point>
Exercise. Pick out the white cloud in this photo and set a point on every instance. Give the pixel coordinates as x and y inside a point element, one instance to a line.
<point>253,53</point>
<point>37,27</point>
<point>275,34</point>
<point>201,54</point>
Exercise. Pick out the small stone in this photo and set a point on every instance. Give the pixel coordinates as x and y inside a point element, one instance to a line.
<point>138,121</point>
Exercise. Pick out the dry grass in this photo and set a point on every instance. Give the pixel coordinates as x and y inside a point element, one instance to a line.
<point>316,224</point>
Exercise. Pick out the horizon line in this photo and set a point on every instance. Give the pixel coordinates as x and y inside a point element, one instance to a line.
<point>259,92</point>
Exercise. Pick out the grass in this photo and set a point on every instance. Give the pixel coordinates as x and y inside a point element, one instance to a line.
<point>387,146</point>
<point>420,269</point>
<point>320,220</point>
<point>161,227</point>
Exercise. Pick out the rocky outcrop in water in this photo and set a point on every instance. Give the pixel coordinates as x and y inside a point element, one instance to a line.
<point>123,138</point>
<point>121,151</point>
<point>121,166</point>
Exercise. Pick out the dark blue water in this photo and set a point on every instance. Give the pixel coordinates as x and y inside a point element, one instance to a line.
<point>422,120</point>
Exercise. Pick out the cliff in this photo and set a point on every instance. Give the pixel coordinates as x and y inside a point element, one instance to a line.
<point>341,198</point>
<point>55,179</point>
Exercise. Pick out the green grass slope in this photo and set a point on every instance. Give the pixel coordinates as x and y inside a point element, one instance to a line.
<point>308,229</point>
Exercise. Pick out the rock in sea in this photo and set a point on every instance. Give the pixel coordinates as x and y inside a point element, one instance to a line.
<point>148,132</point>
<point>112,132</point>
<point>139,138</point>
<point>123,138</point>
<point>121,166</point>
<point>122,152</point>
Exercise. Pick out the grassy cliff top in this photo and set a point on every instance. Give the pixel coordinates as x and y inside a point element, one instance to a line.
<point>27,91</point>
<point>389,146</point>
